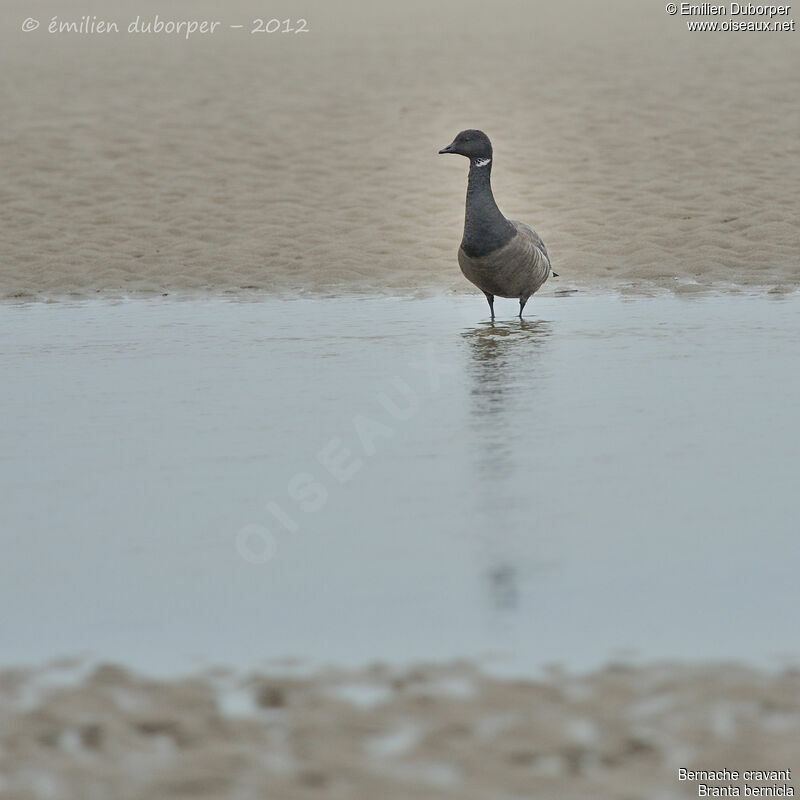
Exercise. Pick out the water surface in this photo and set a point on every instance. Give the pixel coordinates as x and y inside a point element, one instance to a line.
<point>373,478</point>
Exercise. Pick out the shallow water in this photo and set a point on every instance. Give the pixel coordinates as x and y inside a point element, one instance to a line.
<point>608,475</point>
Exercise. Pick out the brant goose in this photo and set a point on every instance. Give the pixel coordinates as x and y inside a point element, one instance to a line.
<point>500,256</point>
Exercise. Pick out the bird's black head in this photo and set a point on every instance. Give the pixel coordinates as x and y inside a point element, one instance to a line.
<point>472,144</point>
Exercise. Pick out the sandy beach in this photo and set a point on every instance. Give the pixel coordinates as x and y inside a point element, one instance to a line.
<point>645,155</point>
<point>436,732</point>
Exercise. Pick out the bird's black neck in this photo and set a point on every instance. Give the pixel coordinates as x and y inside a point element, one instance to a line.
<point>485,227</point>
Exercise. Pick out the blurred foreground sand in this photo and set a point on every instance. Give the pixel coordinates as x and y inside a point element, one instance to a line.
<point>645,155</point>
<point>433,732</point>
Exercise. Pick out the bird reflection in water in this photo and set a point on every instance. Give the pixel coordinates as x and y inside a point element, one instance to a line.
<point>505,369</point>
<point>503,583</point>
<point>505,365</point>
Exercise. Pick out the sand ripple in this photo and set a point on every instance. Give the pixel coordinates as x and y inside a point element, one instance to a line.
<point>643,154</point>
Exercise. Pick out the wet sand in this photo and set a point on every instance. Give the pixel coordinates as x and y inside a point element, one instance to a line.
<point>436,732</point>
<point>644,155</point>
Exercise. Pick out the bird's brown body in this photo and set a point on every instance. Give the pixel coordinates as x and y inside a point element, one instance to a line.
<point>517,269</point>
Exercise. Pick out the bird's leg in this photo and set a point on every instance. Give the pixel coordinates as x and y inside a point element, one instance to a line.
<point>522,302</point>
<point>490,298</point>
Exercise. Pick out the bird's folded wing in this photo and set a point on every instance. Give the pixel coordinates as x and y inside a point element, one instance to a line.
<point>530,233</point>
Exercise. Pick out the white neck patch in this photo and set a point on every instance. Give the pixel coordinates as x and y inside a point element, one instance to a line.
<point>482,162</point>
